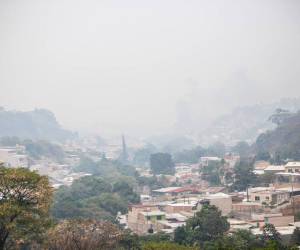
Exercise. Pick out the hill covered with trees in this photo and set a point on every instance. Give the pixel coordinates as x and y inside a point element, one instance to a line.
<point>284,141</point>
<point>36,125</point>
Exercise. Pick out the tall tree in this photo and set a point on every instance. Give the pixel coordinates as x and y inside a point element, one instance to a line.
<point>207,225</point>
<point>124,154</point>
<point>162,163</point>
<point>24,205</point>
<point>243,175</point>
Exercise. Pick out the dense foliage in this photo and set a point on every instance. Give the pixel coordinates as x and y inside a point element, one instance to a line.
<point>283,142</point>
<point>24,205</point>
<point>162,163</point>
<point>243,175</point>
<point>189,155</point>
<point>104,167</point>
<point>93,197</point>
<point>207,225</point>
<point>212,173</point>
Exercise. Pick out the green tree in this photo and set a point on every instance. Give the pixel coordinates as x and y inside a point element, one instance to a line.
<point>24,205</point>
<point>211,173</point>
<point>125,190</point>
<point>142,156</point>
<point>93,197</point>
<point>130,241</point>
<point>191,156</point>
<point>162,163</point>
<point>217,149</point>
<point>243,175</point>
<point>240,240</point>
<point>263,156</point>
<point>270,234</point>
<point>207,225</point>
<point>242,148</point>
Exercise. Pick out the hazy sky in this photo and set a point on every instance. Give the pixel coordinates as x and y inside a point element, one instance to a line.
<point>143,66</point>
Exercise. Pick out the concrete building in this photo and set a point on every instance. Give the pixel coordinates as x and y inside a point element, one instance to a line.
<point>292,167</point>
<point>269,196</point>
<point>143,219</point>
<point>180,207</point>
<point>274,169</point>
<point>222,201</point>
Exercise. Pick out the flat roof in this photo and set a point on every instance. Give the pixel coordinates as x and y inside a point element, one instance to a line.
<point>293,164</point>
<point>182,205</point>
<point>166,190</point>
<point>274,168</point>
<point>152,213</point>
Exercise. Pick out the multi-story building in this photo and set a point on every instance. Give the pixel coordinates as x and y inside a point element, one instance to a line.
<point>268,195</point>
<point>144,219</point>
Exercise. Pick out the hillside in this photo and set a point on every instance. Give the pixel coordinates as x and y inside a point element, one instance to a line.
<point>282,142</point>
<point>245,123</point>
<point>36,124</point>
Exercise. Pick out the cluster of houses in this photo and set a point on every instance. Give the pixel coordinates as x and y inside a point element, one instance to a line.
<point>14,156</point>
<point>58,173</point>
<point>166,209</point>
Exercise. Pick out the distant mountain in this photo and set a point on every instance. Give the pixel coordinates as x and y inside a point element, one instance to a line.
<point>36,124</point>
<point>245,123</point>
<point>282,142</point>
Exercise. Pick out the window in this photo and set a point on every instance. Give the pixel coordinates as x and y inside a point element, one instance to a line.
<point>257,198</point>
<point>148,217</point>
<point>267,198</point>
<point>159,217</point>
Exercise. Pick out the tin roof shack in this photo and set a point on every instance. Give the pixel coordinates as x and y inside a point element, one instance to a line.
<point>142,219</point>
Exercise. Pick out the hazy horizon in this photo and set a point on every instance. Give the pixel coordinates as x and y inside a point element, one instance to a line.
<point>144,67</point>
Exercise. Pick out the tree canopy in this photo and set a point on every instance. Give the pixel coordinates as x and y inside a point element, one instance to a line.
<point>162,163</point>
<point>207,225</point>
<point>24,205</point>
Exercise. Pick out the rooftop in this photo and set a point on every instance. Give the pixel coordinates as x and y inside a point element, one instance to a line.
<point>293,164</point>
<point>274,168</point>
<point>166,190</point>
<point>153,213</point>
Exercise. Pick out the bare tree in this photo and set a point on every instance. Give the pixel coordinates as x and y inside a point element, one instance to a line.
<point>84,235</point>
